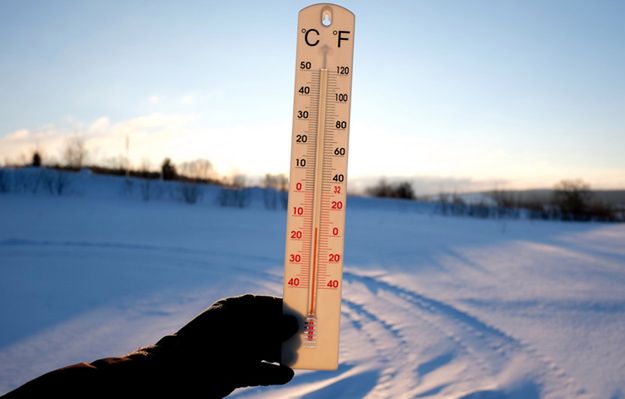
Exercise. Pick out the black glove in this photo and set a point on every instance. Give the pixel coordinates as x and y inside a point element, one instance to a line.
<point>226,347</point>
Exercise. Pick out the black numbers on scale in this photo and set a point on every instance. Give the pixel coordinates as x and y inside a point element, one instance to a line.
<point>304,90</point>
<point>307,65</point>
<point>339,178</point>
<point>341,124</point>
<point>341,97</point>
<point>342,70</point>
<point>301,138</point>
<point>302,114</point>
<point>340,151</point>
<point>300,162</point>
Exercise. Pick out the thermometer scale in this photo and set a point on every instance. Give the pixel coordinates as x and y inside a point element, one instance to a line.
<point>317,189</point>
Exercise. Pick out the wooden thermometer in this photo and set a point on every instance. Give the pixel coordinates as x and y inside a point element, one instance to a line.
<point>316,212</point>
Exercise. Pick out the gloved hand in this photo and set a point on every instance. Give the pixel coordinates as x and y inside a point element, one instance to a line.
<point>228,346</point>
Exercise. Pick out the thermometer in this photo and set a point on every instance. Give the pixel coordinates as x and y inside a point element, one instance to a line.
<point>317,189</point>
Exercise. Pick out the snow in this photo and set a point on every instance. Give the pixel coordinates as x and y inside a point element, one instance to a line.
<point>434,306</point>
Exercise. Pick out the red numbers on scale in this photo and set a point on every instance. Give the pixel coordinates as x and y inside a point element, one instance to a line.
<point>296,234</point>
<point>335,231</point>
<point>295,258</point>
<point>333,284</point>
<point>298,186</point>
<point>337,205</point>
<point>293,282</point>
<point>298,211</point>
<point>334,257</point>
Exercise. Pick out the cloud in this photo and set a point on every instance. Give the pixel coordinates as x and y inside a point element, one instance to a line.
<point>150,136</point>
<point>256,147</point>
<point>18,135</point>
<point>187,100</point>
<point>100,125</point>
<point>253,150</point>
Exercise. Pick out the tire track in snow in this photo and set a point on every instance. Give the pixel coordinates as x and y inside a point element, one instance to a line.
<point>399,355</point>
<point>398,352</point>
<point>386,341</point>
<point>490,346</point>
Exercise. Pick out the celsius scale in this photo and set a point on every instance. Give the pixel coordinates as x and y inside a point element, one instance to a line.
<point>317,190</point>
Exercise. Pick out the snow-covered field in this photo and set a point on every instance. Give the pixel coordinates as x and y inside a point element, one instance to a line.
<point>433,306</point>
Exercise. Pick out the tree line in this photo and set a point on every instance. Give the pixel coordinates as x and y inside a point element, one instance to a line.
<point>190,178</point>
<point>569,200</point>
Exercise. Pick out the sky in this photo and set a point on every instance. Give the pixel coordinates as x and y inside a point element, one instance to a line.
<point>449,94</point>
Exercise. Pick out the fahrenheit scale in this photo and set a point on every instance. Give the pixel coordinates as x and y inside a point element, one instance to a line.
<point>317,193</point>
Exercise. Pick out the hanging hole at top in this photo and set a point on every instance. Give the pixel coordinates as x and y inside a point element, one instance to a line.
<point>326,17</point>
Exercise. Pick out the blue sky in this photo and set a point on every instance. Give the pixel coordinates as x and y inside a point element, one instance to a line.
<point>514,94</point>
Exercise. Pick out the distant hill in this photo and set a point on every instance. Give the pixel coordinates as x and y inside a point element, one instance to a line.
<point>612,197</point>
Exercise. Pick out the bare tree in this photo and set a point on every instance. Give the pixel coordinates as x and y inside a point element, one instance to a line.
<point>119,163</point>
<point>573,199</point>
<point>235,193</point>
<point>505,203</point>
<point>21,160</point>
<point>145,183</point>
<point>5,182</point>
<point>146,189</point>
<point>190,192</point>
<point>458,205</point>
<point>283,188</point>
<point>75,152</point>
<point>56,182</point>
<point>201,169</point>
<point>270,192</point>
<point>444,203</point>
<point>401,190</point>
<point>275,191</point>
